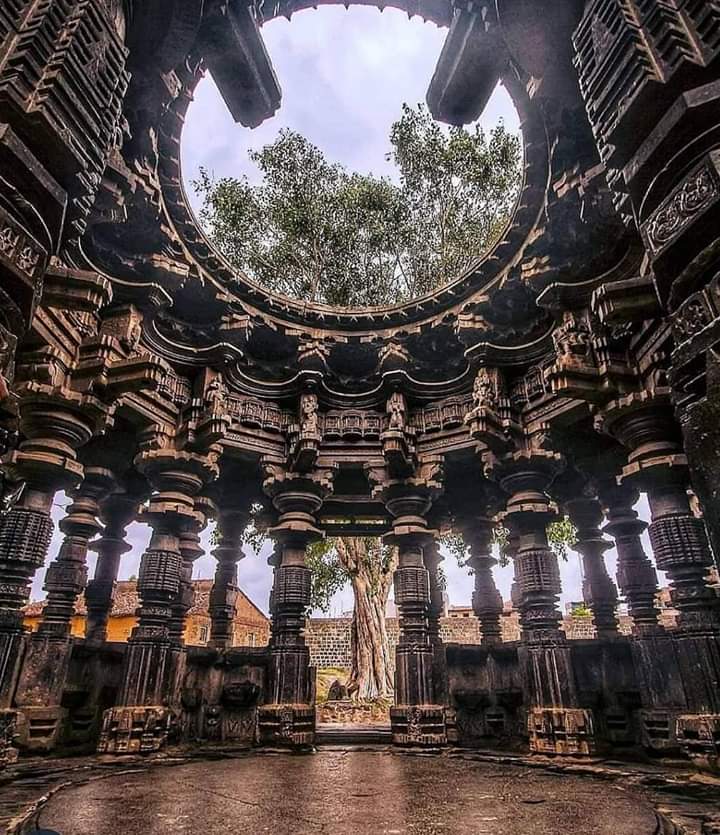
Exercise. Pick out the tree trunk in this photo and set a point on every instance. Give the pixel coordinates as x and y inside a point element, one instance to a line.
<point>371,571</point>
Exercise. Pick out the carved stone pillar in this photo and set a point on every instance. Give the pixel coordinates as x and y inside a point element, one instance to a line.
<point>190,550</point>
<point>145,716</point>
<point>636,575</point>
<point>223,597</point>
<point>432,559</point>
<point>644,423</point>
<point>288,715</point>
<point>418,717</point>
<point>67,576</point>
<point>116,512</point>
<point>599,590</point>
<point>42,681</point>
<point>487,601</point>
<point>556,723</point>
<point>55,423</point>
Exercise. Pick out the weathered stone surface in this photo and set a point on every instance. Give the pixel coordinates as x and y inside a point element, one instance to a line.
<point>332,790</point>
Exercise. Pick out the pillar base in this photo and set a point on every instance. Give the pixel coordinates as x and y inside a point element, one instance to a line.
<point>699,737</point>
<point>40,729</point>
<point>658,730</point>
<point>561,730</point>
<point>291,726</point>
<point>44,671</point>
<point>418,725</point>
<point>8,738</point>
<point>136,730</point>
<point>12,653</point>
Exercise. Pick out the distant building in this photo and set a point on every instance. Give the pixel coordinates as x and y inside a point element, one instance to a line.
<point>251,627</point>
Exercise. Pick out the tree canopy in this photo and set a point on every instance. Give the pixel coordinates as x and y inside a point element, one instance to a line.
<point>315,231</point>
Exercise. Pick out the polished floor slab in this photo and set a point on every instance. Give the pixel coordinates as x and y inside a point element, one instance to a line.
<point>348,791</point>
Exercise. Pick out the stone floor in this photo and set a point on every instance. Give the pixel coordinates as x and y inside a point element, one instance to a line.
<point>349,791</point>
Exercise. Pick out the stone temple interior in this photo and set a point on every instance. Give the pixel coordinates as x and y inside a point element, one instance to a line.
<point>575,366</point>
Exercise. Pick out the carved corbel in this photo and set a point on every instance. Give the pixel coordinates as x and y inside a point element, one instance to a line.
<point>575,372</point>
<point>73,289</point>
<point>297,497</point>
<point>393,357</point>
<point>312,355</point>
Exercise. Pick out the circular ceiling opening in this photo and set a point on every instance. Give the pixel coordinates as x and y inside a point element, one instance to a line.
<point>352,195</point>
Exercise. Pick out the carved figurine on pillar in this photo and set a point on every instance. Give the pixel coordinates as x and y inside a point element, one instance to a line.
<point>398,439</point>
<point>556,723</point>
<point>305,443</point>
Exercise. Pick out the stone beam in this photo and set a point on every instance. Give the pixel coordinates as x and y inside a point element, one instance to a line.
<point>470,66</point>
<point>240,65</point>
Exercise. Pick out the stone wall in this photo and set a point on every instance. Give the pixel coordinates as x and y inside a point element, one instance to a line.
<point>329,638</point>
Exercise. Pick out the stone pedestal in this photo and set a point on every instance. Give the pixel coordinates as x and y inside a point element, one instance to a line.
<point>563,731</point>
<point>419,725</point>
<point>136,730</point>
<point>287,725</point>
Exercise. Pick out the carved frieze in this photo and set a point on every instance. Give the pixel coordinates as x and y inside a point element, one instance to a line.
<point>67,73</point>
<point>19,251</point>
<point>699,190</point>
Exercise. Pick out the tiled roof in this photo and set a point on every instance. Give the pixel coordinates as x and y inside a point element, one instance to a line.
<point>126,600</point>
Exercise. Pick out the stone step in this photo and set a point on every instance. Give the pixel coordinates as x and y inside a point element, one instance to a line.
<point>332,734</point>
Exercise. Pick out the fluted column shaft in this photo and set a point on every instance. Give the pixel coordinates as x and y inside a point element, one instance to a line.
<point>190,550</point>
<point>432,560</point>
<point>223,597</point>
<point>177,478</point>
<point>556,724</point>
<point>636,575</point>
<point>117,511</point>
<point>487,601</point>
<point>66,576</point>
<point>599,591</point>
<point>55,423</point>
<point>680,544</point>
